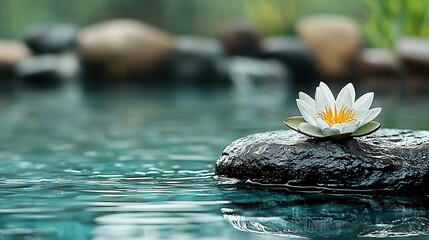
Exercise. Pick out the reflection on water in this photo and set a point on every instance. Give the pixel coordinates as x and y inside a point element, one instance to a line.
<point>317,216</point>
<point>142,168</point>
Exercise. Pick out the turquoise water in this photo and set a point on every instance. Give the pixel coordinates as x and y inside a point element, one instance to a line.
<point>142,167</point>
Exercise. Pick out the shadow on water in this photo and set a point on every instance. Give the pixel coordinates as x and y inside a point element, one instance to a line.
<point>324,216</point>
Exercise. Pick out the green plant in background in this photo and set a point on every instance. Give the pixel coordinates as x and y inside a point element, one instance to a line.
<point>273,17</point>
<point>391,19</point>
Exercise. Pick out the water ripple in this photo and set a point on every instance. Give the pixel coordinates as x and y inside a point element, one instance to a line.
<point>144,169</point>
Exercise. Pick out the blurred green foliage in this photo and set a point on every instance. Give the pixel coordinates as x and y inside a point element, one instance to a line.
<point>273,19</point>
<point>390,19</point>
<point>200,17</point>
<point>182,17</point>
<point>382,21</point>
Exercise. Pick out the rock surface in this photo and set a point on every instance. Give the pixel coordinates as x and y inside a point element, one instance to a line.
<point>389,161</point>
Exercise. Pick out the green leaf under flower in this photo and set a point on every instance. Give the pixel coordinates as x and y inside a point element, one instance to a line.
<point>366,129</point>
<point>293,122</point>
<point>298,124</point>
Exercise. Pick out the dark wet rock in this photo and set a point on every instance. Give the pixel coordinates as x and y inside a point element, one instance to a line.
<point>297,57</point>
<point>389,161</point>
<point>50,39</point>
<point>241,39</point>
<point>334,40</point>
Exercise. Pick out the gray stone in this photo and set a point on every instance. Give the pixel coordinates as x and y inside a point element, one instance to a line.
<point>389,161</point>
<point>51,39</point>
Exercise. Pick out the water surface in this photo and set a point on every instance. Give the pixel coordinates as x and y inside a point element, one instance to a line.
<point>142,167</point>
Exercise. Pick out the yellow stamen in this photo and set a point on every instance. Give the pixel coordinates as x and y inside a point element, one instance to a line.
<point>344,115</point>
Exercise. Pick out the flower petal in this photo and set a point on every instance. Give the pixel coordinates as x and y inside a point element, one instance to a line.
<point>306,98</point>
<point>352,90</point>
<point>364,102</point>
<point>307,111</point>
<point>344,98</point>
<point>349,128</point>
<point>310,130</point>
<point>321,124</point>
<point>331,131</point>
<point>373,113</point>
<point>338,126</point>
<point>361,115</point>
<point>322,101</point>
<point>327,93</point>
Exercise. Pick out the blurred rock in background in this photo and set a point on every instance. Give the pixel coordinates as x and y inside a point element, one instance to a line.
<point>53,63</point>
<point>414,53</point>
<point>381,70</point>
<point>115,50</point>
<point>11,53</point>
<point>265,80</point>
<point>335,42</point>
<point>295,55</point>
<point>47,71</point>
<point>51,39</point>
<point>241,39</point>
<point>373,51</point>
<point>195,63</point>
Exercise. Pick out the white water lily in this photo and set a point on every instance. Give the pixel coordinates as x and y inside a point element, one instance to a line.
<point>325,116</point>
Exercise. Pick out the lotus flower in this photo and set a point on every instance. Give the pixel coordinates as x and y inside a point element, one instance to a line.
<point>327,117</point>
